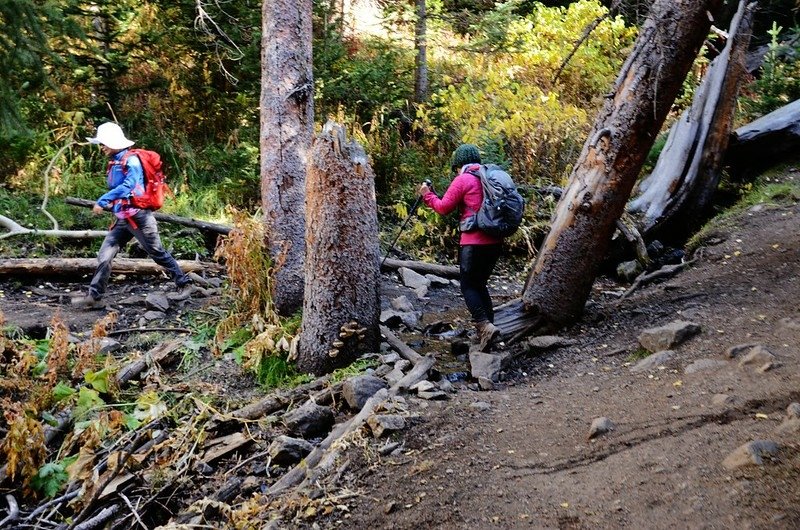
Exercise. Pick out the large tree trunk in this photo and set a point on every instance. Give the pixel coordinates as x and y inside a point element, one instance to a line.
<point>612,157</point>
<point>287,128</point>
<point>421,60</point>
<point>341,307</point>
<point>677,195</point>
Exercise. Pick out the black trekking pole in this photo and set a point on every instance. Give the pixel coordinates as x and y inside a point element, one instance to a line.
<point>402,226</point>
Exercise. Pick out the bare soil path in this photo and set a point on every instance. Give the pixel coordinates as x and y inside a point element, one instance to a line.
<point>525,460</point>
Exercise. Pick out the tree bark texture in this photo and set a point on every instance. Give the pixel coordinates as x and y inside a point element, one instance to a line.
<point>677,195</point>
<point>613,155</point>
<point>421,60</point>
<point>287,129</point>
<point>341,306</point>
<point>765,141</point>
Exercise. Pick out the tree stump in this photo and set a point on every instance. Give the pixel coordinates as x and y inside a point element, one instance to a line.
<point>341,306</point>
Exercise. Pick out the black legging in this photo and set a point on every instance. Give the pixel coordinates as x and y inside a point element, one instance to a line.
<point>476,264</point>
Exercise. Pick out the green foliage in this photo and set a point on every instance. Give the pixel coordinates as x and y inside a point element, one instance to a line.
<point>779,82</point>
<point>52,477</point>
<point>358,367</point>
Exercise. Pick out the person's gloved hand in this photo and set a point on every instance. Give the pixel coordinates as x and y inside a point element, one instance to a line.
<point>423,189</point>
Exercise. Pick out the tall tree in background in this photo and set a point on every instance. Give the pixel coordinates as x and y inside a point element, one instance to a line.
<point>612,157</point>
<point>421,59</point>
<point>287,126</point>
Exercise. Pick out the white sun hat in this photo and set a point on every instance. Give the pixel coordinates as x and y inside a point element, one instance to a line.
<point>110,135</point>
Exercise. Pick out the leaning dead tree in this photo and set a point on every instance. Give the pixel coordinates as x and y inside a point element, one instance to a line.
<point>341,306</point>
<point>287,128</point>
<point>676,196</point>
<point>613,155</point>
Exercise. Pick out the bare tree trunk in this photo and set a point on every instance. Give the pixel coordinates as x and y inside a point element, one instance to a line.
<point>341,306</point>
<point>677,195</point>
<point>612,157</point>
<point>287,128</point>
<point>421,60</point>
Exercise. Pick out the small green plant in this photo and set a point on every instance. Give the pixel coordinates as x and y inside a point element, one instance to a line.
<point>356,368</point>
<point>638,354</point>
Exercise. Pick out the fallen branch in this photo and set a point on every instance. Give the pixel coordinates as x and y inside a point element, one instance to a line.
<point>402,348</point>
<point>147,330</point>
<point>16,229</point>
<point>104,515</point>
<point>52,266</point>
<point>664,272</point>
<point>445,271</point>
<point>13,511</point>
<point>633,237</point>
<point>167,218</point>
<point>156,355</point>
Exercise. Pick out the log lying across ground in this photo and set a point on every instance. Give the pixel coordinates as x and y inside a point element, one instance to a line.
<point>50,266</point>
<point>445,271</point>
<point>767,139</point>
<point>167,218</point>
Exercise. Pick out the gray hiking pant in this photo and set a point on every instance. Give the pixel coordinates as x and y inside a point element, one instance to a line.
<point>144,228</point>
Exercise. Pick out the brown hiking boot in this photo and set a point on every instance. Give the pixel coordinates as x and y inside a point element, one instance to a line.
<point>87,302</point>
<point>488,335</point>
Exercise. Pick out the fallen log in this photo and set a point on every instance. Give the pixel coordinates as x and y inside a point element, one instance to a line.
<point>16,229</point>
<point>167,218</point>
<point>156,355</point>
<point>445,271</point>
<point>402,348</point>
<point>764,141</point>
<point>52,266</point>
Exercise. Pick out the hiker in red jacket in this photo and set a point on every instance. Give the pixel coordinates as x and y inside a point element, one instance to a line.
<point>479,251</point>
<point>125,179</point>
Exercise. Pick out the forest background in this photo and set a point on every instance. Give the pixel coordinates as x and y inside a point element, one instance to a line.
<point>183,78</point>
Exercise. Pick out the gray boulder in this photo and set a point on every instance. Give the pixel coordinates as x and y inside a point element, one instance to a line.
<point>751,453</point>
<point>652,362</point>
<point>157,301</point>
<point>629,270</point>
<point>668,336</point>
<point>286,451</point>
<point>309,421</point>
<point>358,390</point>
<point>701,365</point>
<point>402,304</point>
<point>600,426</point>
<point>382,424</point>
<point>487,365</point>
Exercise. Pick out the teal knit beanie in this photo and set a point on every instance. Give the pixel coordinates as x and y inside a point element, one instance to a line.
<point>466,154</point>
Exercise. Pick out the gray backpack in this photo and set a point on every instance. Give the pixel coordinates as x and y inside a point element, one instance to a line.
<point>501,212</point>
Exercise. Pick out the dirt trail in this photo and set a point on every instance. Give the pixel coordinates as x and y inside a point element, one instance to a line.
<point>526,461</point>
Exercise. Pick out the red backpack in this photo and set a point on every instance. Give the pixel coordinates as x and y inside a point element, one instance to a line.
<point>155,185</point>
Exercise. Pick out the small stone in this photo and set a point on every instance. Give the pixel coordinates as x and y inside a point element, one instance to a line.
<point>382,370</point>
<point>629,270</point>
<point>389,448</point>
<point>739,349</point>
<point>357,390</point>
<point>481,406</point>
<point>309,420</point>
<point>285,451</point>
<point>600,426</point>
<point>721,400</point>
<point>487,365</point>
<point>766,367</point>
<point>445,385</point>
<point>704,364</point>
<point>389,508</point>
<point>485,383</point>
<point>432,395</point>
<point>751,453</point>
<point>544,342</point>
<point>413,279</point>
<point>395,375</point>
<point>668,336</point>
<point>422,386</point>
<point>157,301</point>
<point>793,411</point>
<point>381,424</point>
<point>438,281</point>
<point>132,300</point>
<point>390,358</point>
<point>789,426</point>
<point>757,356</point>
<point>652,362</point>
<point>393,318</point>
<point>154,315</point>
<point>402,304</point>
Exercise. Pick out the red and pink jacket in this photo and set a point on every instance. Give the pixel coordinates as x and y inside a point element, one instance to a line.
<point>466,193</point>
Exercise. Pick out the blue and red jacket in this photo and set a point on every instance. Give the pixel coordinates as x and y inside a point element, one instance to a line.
<point>122,183</point>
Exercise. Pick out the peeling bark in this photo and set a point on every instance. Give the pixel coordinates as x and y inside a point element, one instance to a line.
<point>342,256</point>
<point>287,128</point>
<point>612,157</point>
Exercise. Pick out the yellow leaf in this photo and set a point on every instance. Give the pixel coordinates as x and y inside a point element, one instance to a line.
<point>762,416</point>
<point>677,383</point>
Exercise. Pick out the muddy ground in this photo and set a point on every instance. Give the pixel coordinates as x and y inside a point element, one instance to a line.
<point>519,456</point>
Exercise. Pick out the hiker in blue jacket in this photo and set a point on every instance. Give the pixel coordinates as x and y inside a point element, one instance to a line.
<point>125,179</point>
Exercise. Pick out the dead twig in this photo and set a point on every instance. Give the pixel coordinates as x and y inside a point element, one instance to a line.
<point>104,515</point>
<point>664,272</point>
<point>13,511</point>
<point>586,32</point>
<point>133,510</point>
